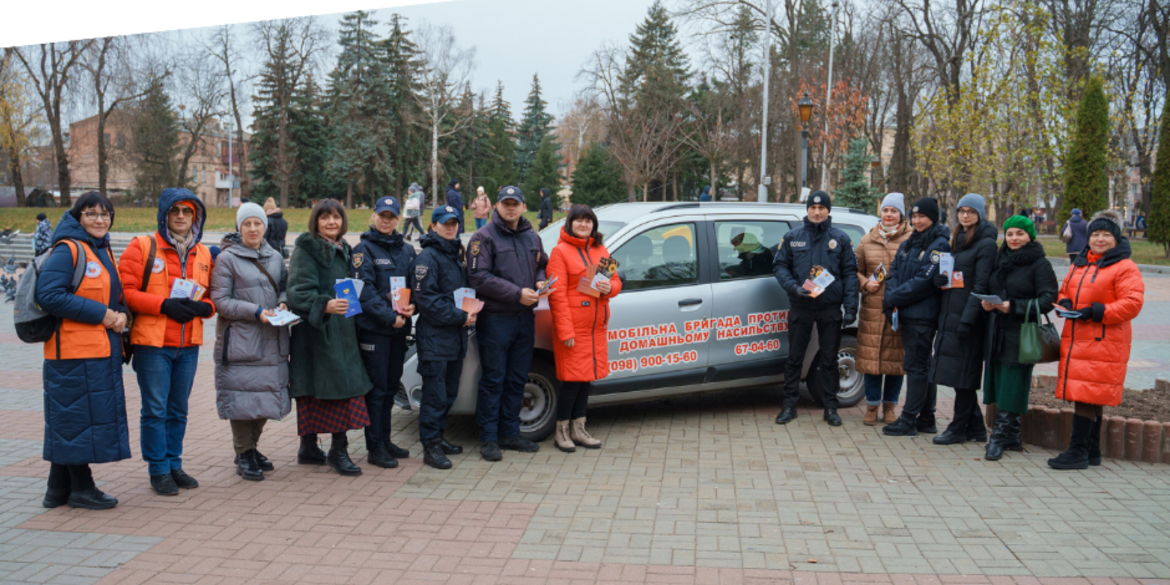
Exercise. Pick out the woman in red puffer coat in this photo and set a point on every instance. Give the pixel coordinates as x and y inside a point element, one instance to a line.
<point>579,324</point>
<point>1104,290</point>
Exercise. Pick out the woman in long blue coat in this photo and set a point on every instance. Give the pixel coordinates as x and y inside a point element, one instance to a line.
<point>85,405</point>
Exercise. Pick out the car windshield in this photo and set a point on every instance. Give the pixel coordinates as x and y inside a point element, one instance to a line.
<point>551,234</point>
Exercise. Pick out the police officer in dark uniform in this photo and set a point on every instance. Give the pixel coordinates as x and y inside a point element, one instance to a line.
<point>441,331</point>
<point>911,289</point>
<point>505,264</point>
<point>806,252</point>
<point>381,255</point>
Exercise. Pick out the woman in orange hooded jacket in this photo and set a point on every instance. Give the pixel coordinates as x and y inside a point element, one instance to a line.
<point>1102,293</point>
<point>580,321</point>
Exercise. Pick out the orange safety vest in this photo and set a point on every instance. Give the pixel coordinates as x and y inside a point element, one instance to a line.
<point>83,340</point>
<point>151,330</point>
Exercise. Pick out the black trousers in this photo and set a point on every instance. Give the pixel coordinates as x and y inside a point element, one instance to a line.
<point>968,416</point>
<point>383,357</point>
<point>800,327</point>
<point>439,391</point>
<point>573,399</point>
<point>921,391</point>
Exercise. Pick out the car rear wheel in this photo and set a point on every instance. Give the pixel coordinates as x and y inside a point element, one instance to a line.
<point>852,381</point>
<point>538,408</point>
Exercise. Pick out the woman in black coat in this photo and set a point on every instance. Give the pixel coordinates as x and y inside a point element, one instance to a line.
<point>958,354</point>
<point>1022,275</point>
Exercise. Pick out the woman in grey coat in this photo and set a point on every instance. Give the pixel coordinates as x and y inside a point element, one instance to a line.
<point>251,356</point>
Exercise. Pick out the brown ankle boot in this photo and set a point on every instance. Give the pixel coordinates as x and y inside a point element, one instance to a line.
<point>579,436</point>
<point>871,416</point>
<point>564,443</point>
<point>888,414</point>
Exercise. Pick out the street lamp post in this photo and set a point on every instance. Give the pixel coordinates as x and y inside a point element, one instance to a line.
<point>828,103</point>
<point>231,173</point>
<point>762,193</point>
<point>806,108</point>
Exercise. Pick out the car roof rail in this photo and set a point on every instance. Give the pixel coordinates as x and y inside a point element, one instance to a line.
<point>690,205</point>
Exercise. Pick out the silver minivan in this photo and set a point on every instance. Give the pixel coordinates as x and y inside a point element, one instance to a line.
<point>699,310</point>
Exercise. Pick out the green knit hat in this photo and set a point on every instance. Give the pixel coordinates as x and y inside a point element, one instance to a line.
<point>1019,221</point>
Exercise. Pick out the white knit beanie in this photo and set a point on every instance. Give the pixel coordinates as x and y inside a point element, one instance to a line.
<point>895,200</point>
<point>247,210</point>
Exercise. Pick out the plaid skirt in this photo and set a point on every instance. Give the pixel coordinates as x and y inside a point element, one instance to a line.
<point>316,415</point>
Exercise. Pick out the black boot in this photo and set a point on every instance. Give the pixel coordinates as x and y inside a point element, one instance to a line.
<point>399,453</point>
<point>832,417</point>
<point>310,453</point>
<point>380,457</point>
<point>450,448</point>
<point>1012,440</point>
<point>83,493</point>
<point>248,467</point>
<point>261,460</point>
<point>338,457</point>
<point>1005,435</point>
<point>1095,442</point>
<point>433,455</point>
<point>58,492</point>
<point>956,432</point>
<point>787,415</point>
<point>926,424</point>
<point>1077,456</point>
<point>903,427</point>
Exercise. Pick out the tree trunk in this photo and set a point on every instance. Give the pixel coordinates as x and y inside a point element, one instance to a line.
<point>282,154</point>
<point>17,178</point>
<point>645,192</point>
<point>349,194</point>
<point>102,152</point>
<point>64,178</point>
<point>711,183</point>
<point>674,186</point>
<point>435,160</point>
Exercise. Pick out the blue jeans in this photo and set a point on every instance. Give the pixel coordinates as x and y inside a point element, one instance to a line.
<point>505,354</point>
<point>165,375</point>
<point>877,393</point>
<point>480,223</point>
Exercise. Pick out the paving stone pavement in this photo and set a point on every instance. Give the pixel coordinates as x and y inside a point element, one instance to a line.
<point>696,490</point>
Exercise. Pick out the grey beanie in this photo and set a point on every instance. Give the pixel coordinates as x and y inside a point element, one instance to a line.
<point>974,201</point>
<point>895,200</point>
<point>247,210</point>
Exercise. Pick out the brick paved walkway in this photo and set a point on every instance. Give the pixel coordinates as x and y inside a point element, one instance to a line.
<point>693,491</point>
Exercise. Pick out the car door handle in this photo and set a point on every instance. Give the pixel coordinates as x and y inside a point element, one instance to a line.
<point>690,302</point>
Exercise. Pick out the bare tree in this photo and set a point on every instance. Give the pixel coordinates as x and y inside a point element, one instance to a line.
<point>115,83</point>
<point>51,67</point>
<point>18,120</point>
<point>446,73</point>
<point>581,124</point>
<point>202,86</point>
<point>225,50</point>
<point>947,32</point>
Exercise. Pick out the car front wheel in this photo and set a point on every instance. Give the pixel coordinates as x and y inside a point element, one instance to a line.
<point>538,408</point>
<point>852,381</point>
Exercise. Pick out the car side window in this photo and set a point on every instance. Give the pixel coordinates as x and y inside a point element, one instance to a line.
<point>855,232</point>
<point>746,248</point>
<point>659,257</point>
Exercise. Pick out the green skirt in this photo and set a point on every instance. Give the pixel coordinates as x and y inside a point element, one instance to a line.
<point>1007,387</point>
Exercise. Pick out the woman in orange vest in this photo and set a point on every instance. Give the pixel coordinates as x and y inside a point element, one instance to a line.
<point>85,405</point>
<point>168,330</point>
<point>580,322</point>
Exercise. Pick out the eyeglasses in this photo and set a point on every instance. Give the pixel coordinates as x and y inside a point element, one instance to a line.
<point>181,210</point>
<point>94,216</point>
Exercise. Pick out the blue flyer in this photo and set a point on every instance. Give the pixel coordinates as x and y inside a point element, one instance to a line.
<point>346,289</point>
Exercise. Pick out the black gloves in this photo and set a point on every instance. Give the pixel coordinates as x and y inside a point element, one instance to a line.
<point>1066,303</point>
<point>1086,313</point>
<point>850,315</point>
<point>198,308</point>
<point>177,310</point>
<point>802,292</point>
<point>941,280</point>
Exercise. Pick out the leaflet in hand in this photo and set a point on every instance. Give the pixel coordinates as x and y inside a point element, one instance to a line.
<point>348,289</point>
<point>879,275</point>
<point>465,300</point>
<point>1067,314</point>
<point>586,286</point>
<point>359,283</point>
<point>894,320</point>
<point>283,317</point>
<point>989,299</point>
<point>547,288</point>
<point>399,294</point>
<point>946,265</point>
<point>187,289</point>
<point>819,280</point>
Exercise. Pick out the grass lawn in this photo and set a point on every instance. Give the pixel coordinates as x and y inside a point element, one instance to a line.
<point>219,219</point>
<point>1144,252</point>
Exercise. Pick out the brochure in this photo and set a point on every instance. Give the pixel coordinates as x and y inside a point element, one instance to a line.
<point>465,300</point>
<point>282,318</point>
<point>586,284</point>
<point>1067,314</point>
<point>879,275</point>
<point>547,288</point>
<point>894,320</point>
<point>819,281</point>
<point>946,265</point>
<point>399,294</point>
<point>990,299</point>
<point>359,283</point>
<point>187,289</point>
<point>349,289</point>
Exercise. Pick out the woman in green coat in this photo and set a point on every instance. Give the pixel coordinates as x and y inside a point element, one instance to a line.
<point>326,374</point>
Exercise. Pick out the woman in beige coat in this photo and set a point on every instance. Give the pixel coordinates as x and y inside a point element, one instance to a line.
<point>879,348</point>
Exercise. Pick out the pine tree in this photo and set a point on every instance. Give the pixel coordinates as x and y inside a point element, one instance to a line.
<point>357,107</point>
<point>407,146</point>
<point>598,179</point>
<point>1086,178</point>
<point>854,190</point>
<point>544,173</point>
<point>156,143</point>
<point>1158,219</point>
<point>534,126</point>
<point>656,48</point>
<point>500,154</point>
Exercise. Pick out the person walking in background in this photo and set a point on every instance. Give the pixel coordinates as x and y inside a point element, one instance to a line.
<point>277,229</point>
<point>481,208</point>
<point>958,350</point>
<point>706,194</point>
<point>879,348</point>
<point>248,284</point>
<point>412,211</point>
<point>167,330</point>
<point>84,401</point>
<point>1074,235</point>
<point>806,252</point>
<point>506,266</point>
<point>1022,277</point>
<point>327,376</point>
<point>382,329</point>
<point>42,237</point>
<point>546,208</point>
<point>1104,287</point>
<point>912,302</point>
<point>437,273</point>
<point>455,200</point>
<point>580,322</point>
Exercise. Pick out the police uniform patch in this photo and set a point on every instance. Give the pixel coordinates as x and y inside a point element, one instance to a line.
<point>934,257</point>
<point>832,244</point>
<point>159,266</point>
<point>475,248</point>
<point>817,199</point>
<point>357,259</point>
<point>798,244</point>
<point>93,269</point>
<point>420,272</point>
<point>511,191</point>
<point>920,254</point>
<point>915,210</point>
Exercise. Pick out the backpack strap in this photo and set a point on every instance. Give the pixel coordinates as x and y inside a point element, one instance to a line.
<point>148,266</point>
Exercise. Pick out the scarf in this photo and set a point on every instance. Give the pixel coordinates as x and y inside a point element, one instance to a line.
<point>335,243</point>
<point>888,232</point>
<point>1093,257</point>
<point>181,243</point>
